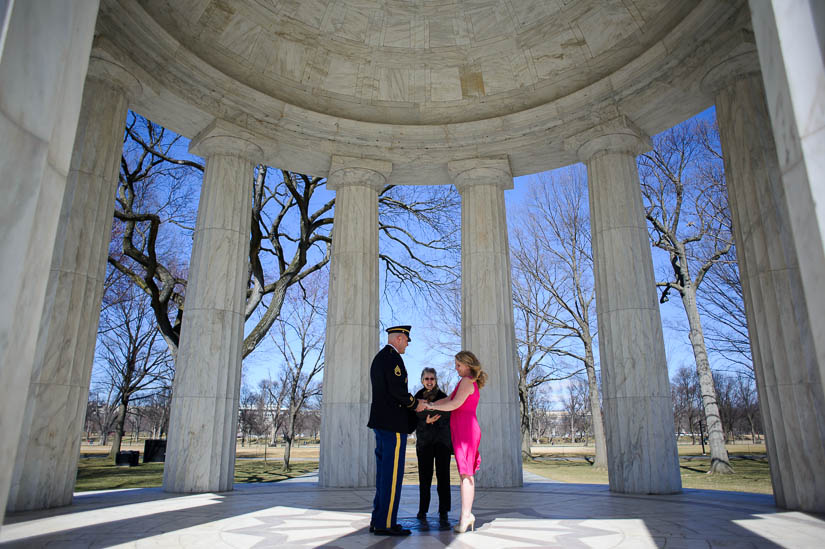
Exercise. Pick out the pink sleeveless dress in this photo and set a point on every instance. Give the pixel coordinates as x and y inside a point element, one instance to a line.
<point>466,434</point>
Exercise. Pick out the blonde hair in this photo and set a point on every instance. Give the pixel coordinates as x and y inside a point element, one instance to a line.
<point>471,361</point>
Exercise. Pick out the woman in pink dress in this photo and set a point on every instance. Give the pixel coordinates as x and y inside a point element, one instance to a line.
<point>464,429</point>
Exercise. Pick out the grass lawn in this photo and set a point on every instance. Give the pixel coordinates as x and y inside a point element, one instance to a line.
<point>102,474</point>
<point>752,474</point>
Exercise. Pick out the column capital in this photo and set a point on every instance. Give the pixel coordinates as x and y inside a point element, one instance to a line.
<point>730,70</point>
<point>223,138</point>
<point>481,171</point>
<point>617,135</point>
<point>113,73</point>
<point>345,171</point>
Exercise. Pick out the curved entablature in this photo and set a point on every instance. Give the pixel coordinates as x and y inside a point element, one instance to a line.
<point>316,78</point>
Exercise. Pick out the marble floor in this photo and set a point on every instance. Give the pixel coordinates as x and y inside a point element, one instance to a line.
<point>297,513</point>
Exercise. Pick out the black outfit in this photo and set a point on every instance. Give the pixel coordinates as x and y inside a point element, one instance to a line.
<point>392,412</point>
<point>392,407</point>
<point>433,443</point>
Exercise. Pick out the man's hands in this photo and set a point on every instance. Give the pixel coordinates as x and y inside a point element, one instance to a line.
<point>422,405</point>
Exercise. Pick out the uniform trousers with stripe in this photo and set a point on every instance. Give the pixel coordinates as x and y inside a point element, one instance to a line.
<point>389,473</point>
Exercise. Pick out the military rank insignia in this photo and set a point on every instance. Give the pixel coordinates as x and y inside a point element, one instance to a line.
<point>397,371</point>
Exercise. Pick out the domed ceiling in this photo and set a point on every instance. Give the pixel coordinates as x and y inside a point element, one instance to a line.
<point>425,62</point>
<point>418,76</point>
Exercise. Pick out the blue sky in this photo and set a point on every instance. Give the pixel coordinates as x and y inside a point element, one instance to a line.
<point>427,347</point>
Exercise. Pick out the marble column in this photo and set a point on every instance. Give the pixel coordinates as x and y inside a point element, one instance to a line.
<point>783,341</point>
<point>45,468</point>
<point>200,456</point>
<point>347,444</point>
<point>789,38</point>
<point>638,413</point>
<point>487,327</point>
<point>44,56</point>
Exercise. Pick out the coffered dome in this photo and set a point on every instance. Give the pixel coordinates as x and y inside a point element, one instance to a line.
<point>422,77</point>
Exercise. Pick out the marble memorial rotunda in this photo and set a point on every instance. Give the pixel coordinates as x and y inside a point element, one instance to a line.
<point>440,92</point>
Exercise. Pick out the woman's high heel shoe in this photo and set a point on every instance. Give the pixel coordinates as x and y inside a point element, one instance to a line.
<point>461,527</point>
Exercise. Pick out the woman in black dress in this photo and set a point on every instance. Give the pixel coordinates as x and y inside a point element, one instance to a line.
<point>432,444</point>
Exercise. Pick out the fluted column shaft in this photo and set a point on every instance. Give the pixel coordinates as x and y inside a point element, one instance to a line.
<point>347,444</point>
<point>487,327</point>
<point>45,468</point>
<point>638,413</point>
<point>789,43</point>
<point>44,60</point>
<point>200,455</point>
<point>783,342</point>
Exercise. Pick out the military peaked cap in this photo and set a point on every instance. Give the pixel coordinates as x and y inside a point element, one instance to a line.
<point>405,329</point>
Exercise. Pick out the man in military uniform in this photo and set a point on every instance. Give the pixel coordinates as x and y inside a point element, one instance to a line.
<point>392,418</point>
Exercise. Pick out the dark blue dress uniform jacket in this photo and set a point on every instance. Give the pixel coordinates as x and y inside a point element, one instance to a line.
<point>393,407</point>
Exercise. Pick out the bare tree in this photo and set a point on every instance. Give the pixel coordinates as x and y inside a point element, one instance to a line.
<point>542,421</point>
<point>299,338</point>
<point>686,401</point>
<point>554,264</point>
<point>725,387</point>
<point>133,358</point>
<point>747,401</point>
<point>574,403</point>
<point>274,394</point>
<point>100,414</point>
<point>156,411</point>
<point>289,232</point>
<point>686,208</point>
<point>722,302</point>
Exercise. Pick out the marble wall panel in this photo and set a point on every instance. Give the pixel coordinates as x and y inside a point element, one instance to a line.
<point>342,75</point>
<point>420,85</point>
<point>394,84</point>
<point>418,32</point>
<point>398,32</point>
<point>354,25</point>
<point>498,75</point>
<point>560,50</point>
<point>311,12</point>
<point>487,25</point>
<point>606,25</point>
<point>441,32</point>
<point>289,59</point>
<point>375,29</point>
<point>240,35</point>
<point>529,12</point>
<point>445,84</point>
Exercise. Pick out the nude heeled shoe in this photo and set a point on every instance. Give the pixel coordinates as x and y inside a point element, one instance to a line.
<point>460,528</point>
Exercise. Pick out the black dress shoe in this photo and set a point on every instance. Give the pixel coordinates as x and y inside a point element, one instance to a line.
<point>394,530</point>
<point>443,517</point>
<point>421,515</point>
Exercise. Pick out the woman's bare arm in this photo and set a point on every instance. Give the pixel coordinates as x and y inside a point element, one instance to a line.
<point>465,389</point>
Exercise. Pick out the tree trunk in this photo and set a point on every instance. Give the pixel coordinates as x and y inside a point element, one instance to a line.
<point>524,404</point>
<point>290,435</point>
<point>120,423</point>
<point>599,440</point>
<point>716,437</point>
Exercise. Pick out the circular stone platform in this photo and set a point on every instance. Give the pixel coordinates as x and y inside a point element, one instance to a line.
<point>297,513</point>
